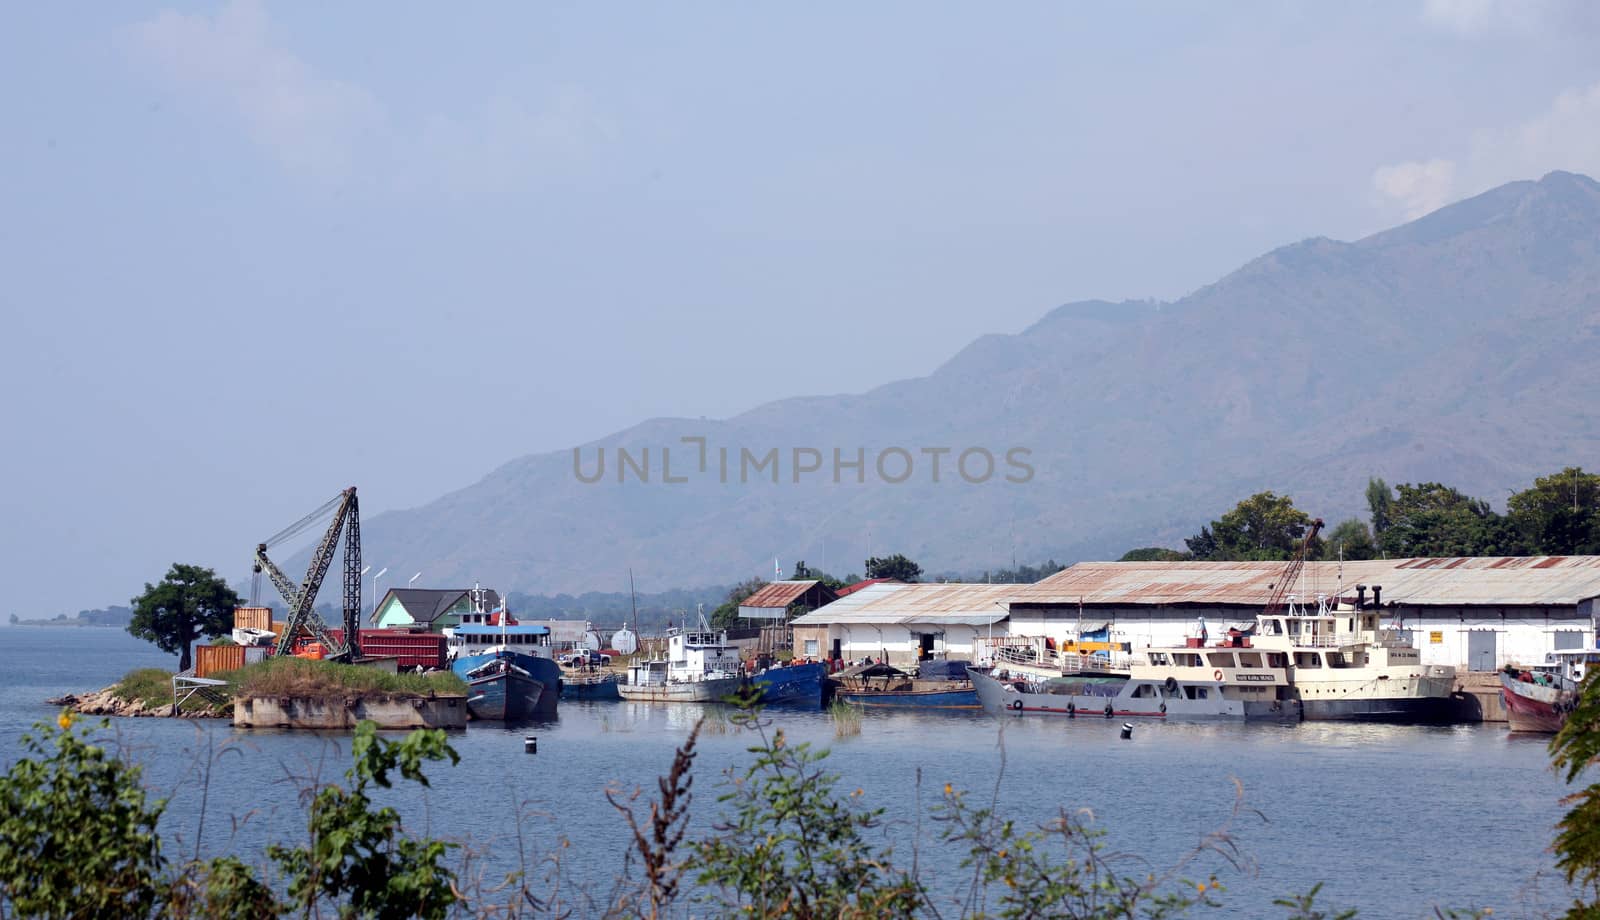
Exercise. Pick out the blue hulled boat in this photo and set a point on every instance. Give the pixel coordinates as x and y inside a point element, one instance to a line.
<point>505,686</point>
<point>793,683</point>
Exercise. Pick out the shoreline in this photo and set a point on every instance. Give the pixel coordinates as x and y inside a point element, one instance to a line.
<point>106,703</point>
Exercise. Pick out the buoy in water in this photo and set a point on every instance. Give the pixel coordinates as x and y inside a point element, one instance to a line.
<point>530,744</point>
<point>1127,730</point>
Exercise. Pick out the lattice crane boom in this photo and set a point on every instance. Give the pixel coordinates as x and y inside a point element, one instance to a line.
<point>302,598</point>
<point>1279,591</point>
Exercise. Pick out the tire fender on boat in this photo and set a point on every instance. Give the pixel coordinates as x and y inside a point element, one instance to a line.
<point>1163,708</point>
<point>1217,674</point>
<point>1072,710</point>
<point>1016,705</point>
<point>1108,710</point>
<point>1172,684</point>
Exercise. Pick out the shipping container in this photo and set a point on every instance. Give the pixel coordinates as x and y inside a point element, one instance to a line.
<point>214,659</point>
<point>411,649</point>
<point>252,618</point>
<point>256,653</point>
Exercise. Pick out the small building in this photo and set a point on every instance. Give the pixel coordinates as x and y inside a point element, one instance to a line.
<point>903,624</point>
<point>430,608</point>
<point>774,599</point>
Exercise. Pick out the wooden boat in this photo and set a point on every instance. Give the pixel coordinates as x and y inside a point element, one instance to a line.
<point>1539,699</point>
<point>797,682</point>
<point>508,668</point>
<point>590,684</point>
<point>946,686</point>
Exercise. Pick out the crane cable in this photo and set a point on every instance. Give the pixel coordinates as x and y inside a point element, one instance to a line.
<point>301,526</point>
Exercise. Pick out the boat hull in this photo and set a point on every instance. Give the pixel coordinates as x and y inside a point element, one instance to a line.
<point>948,698</point>
<point>696,691</point>
<point>1532,708</point>
<point>522,687</point>
<point>999,696</point>
<point>590,687</point>
<point>795,683</point>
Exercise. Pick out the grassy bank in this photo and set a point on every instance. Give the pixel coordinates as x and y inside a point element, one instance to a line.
<point>153,688</point>
<point>305,679</point>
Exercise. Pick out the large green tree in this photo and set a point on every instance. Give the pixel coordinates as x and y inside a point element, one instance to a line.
<point>727,613</point>
<point>1349,540</point>
<point>190,602</point>
<point>1433,519</point>
<point>897,567</point>
<point>1560,515</point>
<point>1263,526</point>
<point>1379,501</point>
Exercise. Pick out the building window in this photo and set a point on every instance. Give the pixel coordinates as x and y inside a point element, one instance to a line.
<point>811,648</point>
<point>1568,638</point>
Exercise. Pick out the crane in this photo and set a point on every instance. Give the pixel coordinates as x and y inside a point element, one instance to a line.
<point>1276,593</point>
<point>301,598</point>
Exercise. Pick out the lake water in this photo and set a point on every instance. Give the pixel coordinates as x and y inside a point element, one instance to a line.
<point>1392,820</point>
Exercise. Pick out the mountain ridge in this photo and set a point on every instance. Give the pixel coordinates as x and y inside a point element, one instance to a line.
<point>1431,350</point>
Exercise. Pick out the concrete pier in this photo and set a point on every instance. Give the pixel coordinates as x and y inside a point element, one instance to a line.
<point>448,712</point>
<point>1477,696</point>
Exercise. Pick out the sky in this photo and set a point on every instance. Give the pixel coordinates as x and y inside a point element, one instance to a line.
<point>252,253</point>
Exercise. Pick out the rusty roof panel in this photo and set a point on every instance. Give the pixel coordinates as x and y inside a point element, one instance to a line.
<point>778,594</point>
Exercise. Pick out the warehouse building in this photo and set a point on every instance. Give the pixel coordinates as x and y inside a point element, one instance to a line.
<point>1474,614</point>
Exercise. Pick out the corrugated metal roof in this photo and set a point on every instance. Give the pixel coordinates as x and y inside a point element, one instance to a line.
<point>897,604</point>
<point>851,589</point>
<point>1490,580</point>
<point>778,594</point>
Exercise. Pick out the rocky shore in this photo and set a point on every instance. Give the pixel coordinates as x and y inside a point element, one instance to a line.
<point>107,703</point>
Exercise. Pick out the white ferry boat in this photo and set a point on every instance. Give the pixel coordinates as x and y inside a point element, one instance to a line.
<point>1232,680</point>
<point>1346,667</point>
<point>700,667</point>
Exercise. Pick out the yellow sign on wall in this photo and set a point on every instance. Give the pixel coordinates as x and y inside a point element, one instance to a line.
<point>1435,638</point>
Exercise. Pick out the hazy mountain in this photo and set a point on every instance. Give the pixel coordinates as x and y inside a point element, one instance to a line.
<point>1452,348</point>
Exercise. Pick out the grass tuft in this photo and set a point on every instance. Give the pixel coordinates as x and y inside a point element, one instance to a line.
<point>151,685</point>
<point>307,679</point>
<point>846,719</point>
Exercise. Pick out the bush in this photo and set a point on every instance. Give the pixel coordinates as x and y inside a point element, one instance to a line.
<point>308,679</point>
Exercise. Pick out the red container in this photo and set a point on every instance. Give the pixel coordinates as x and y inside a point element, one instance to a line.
<point>411,648</point>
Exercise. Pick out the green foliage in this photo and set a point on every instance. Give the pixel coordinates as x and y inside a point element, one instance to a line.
<point>1154,554</point>
<point>1263,526</point>
<point>223,889</point>
<point>1379,502</point>
<point>728,612</point>
<point>1432,519</point>
<point>151,685</point>
<point>1349,539</point>
<point>1575,749</point>
<point>1022,574</point>
<point>897,567</point>
<point>77,834</point>
<point>792,848</point>
<point>803,572</point>
<point>357,852</point>
<point>190,602</point>
<point>1303,906</point>
<point>1560,514</point>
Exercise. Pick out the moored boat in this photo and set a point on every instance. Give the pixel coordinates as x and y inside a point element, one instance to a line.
<point>1539,699</point>
<point>508,686</point>
<point>590,685</point>
<point>1189,683</point>
<point>700,667</point>
<point>795,682</point>
<point>938,684</point>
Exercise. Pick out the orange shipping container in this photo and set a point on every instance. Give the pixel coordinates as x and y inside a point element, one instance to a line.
<point>214,659</point>
<point>252,618</point>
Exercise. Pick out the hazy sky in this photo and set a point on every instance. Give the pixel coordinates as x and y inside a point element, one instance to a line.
<point>253,253</point>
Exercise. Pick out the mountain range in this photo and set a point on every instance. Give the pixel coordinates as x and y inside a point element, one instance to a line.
<point>1452,348</point>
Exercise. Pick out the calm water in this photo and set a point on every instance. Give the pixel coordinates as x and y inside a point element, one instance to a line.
<point>1392,820</point>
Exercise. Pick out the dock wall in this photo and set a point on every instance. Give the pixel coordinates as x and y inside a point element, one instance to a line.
<point>449,712</point>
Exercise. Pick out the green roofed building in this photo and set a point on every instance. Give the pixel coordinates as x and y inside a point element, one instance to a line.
<point>432,608</point>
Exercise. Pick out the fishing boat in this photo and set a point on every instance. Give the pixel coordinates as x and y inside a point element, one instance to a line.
<point>1227,682</point>
<point>509,670</point>
<point>938,684</point>
<point>1539,699</point>
<point>795,682</point>
<point>700,667</point>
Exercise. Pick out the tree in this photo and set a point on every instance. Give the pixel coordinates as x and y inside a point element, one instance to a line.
<point>1379,500</point>
<point>1154,554</point>
<point>1433,519</point>
<point>190,602</point>
<point>1263,526</point>
<point>897,567</point>
<point>1350,540</point>
<point>803,572</point>
<point>1560,515</point>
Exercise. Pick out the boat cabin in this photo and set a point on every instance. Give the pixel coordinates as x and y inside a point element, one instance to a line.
<point>478,639</point>
<point>692,655</point>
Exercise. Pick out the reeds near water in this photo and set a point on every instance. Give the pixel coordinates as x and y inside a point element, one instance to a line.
<point>846,719</point>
